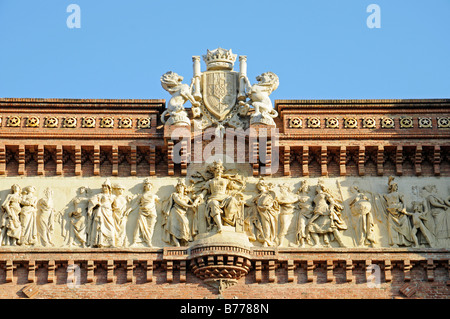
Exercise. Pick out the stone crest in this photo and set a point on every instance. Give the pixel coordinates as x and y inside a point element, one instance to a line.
<point>219,94</point>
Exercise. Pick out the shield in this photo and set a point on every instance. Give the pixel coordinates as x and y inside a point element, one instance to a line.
<point>219,90</point>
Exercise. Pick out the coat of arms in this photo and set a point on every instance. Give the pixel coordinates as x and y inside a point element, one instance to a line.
<point>219,94</point>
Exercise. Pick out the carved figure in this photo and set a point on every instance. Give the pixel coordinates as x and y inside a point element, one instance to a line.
<point>45,218</point>
<point>27,216</point>
<point>361,209</point>
<point>222,197</point>
<point>181,93</point>
<point>420,217</point>
<point>398,224</point>
<point>120,212</point>
<point>147,215</point>
<point>327,220</point>
<point>286,201</point>
<point>101,227</point>
<point>440,212</point>
<point>74,230</point>
<point>305,213</point>
<point>176,223</point>
<point>268,208</point>
<point>259,98</point>
<point>10,226</point>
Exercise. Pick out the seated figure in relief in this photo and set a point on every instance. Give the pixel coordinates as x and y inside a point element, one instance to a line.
<point>74,228</point>
<point>219,199</point>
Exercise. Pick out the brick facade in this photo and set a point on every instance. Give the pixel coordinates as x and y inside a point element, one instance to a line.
<point>97,138</point>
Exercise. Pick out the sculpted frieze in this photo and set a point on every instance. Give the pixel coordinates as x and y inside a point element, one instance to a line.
<point>219,203</point>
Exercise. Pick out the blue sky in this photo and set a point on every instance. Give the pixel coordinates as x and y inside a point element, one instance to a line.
<point>320,49</point>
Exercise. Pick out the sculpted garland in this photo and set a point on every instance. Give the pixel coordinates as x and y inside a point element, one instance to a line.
<point>217,201</point>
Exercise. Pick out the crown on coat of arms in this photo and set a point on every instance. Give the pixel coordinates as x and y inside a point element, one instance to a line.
<point>219,59</point>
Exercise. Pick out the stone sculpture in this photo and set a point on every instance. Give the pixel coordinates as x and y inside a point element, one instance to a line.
<point>10,226</point>
<point>326,220</point>
<point>398,224</point>
<point>218,204</point>
<point>74,231</point>
<point>45,218</point>
<point>181,93</point>
<point>268,209</point>
<point>218,95</point>
<point>143,232</point>
<point>101,227</point>
<point>286,200</point>
<point>258,94</point>
<point>305,212</point>
<point>421,226</point>
<point>440,212</point>
<point>176,226</point>
<point>361,209</point>
<point>27,216</point>
<point>219,199</point>
<point>120,212</point>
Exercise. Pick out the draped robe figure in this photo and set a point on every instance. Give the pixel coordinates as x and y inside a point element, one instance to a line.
<point>28,202</point>
<point>268,210</point>
<point>147,216</point>
<point>176,223</point>
<point>101,227</point>
<point>398,224</point>
<point>120,213</point>
<point>440,212</point>
<point>10,227</point>
<point>361,209</point>
<point>286,201</point>
<point>45,218</point>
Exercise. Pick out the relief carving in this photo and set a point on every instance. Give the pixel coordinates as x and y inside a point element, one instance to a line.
<point>101,231</point>
<point>10,225</point>
<point>45,219</point>
<point>143,232</point>
<point>398,224</point>
<point>361,209</point>
<point>222,204</point>
<point>27,216</point>
<point>218,199</point>
<point>176,225</point>
<point>326,221</point>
